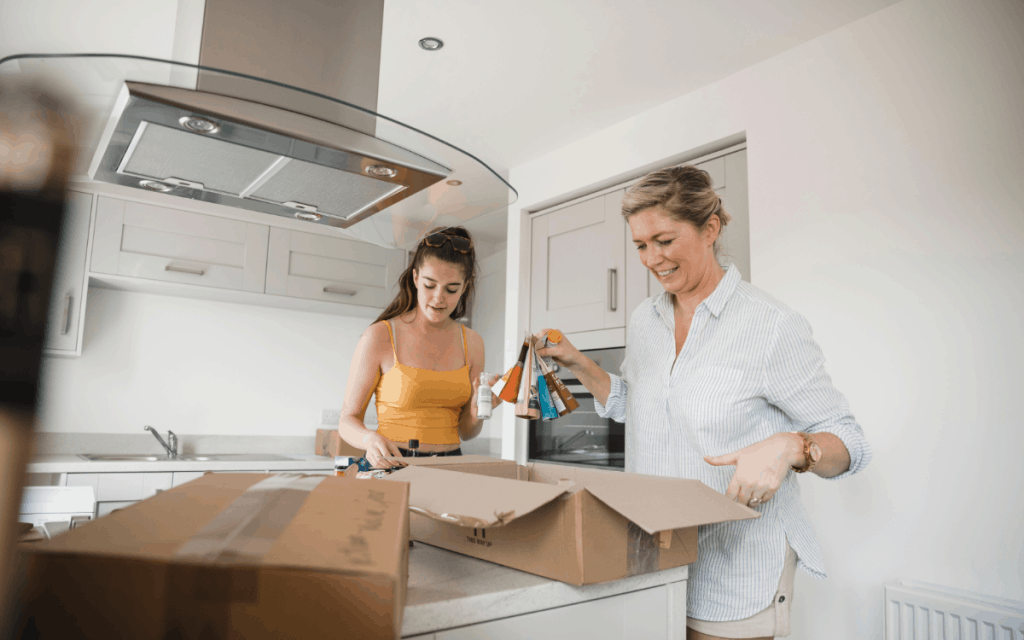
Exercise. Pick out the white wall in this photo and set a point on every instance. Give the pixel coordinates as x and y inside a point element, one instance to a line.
<point>885,175</point>
<point>198,367</point>
<point>489,322</point>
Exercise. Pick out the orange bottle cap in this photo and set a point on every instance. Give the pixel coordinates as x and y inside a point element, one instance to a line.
<point>554,336</point>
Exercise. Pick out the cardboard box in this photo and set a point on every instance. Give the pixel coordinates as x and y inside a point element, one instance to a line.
<point>576,525</point>
<point>329,443</point>
<point>230,555</point>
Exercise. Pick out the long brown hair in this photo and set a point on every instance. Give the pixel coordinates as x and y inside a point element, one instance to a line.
<point>406,298</point>
<point>686,193</point>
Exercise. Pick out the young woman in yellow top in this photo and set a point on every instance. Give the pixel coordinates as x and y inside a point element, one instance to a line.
<point>423,366</point>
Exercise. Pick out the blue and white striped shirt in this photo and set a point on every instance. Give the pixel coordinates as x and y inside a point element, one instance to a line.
<point>749,368</point>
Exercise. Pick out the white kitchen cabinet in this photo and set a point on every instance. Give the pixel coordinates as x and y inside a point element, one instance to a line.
<point>577,279</point>
<point>304,265</point>
<point>181,477</point>
<point>159,243</point>
<point>105,508</point>
<point>70,282</point>
<point>121,489</point>
<point>651,614</point>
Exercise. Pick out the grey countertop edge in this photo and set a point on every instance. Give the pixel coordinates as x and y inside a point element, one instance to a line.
<point>449,590</point>
<point>73,464</point>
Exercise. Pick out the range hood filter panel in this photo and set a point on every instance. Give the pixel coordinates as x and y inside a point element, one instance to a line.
<point>161,152</point>
<point>333,192</point>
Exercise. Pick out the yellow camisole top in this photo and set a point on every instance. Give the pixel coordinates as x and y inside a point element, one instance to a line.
<point>421,403</point>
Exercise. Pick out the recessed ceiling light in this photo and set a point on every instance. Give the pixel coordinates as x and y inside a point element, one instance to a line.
<point>308,217</point>
<point>431,44</point>
<point>153,185</point>
<point>199,125</point>
<point>455,183</point>
<point>381,171</point>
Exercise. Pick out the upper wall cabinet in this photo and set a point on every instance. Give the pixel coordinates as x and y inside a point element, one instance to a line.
<point>304,265</point>
<point>577,268</point>
<point>158,243</point>
<point>70,284</point>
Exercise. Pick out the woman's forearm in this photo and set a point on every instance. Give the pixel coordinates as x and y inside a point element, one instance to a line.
<point>594,378</point>
<point>353,431</point>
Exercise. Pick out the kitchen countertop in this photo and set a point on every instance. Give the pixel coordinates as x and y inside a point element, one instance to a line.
<point>68,463</point>
<point>448,590</point>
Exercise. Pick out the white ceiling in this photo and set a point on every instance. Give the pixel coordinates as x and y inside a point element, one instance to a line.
<point>518,79</point>
<point>515,80</point>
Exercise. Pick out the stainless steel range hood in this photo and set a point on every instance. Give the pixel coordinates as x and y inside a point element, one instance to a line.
<point>285,130</point>
<point>246,155</point>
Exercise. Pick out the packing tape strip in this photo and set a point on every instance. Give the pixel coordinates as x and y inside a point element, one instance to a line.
<point>220,567</point>
<point>248,527</point>
<point>643,551</point>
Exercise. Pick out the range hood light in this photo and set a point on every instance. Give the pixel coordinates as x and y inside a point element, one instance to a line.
<point>454,183</point>
<point>431,44</point>
<point>308,217</point>
<point>153,185</point>
<point>199,125</point>
<point>381,171</point>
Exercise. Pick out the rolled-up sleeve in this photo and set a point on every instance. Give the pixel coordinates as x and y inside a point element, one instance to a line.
<point>615,408</point>
<point>796,382</point>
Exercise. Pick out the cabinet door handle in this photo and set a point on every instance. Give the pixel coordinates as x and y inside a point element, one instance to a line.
<point>339,291</point>
<point>64,325</point>
<point>613,289</point>
<point>195,272</point>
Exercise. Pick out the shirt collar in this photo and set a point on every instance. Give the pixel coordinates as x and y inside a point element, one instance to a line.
<point>715,302</point>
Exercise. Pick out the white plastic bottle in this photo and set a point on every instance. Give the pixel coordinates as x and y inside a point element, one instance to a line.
<point>483,397</point>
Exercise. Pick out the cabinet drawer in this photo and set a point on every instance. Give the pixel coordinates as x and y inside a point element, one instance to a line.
<point>158,243</point>
<point>181,477</point>
<point>303,265</point>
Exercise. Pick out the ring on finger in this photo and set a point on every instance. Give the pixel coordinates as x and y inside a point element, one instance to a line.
<point>754,502</point>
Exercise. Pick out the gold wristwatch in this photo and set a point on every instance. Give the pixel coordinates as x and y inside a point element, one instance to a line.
<point>812,453</point>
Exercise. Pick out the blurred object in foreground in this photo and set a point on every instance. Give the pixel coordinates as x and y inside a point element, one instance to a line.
<point>35,160</point>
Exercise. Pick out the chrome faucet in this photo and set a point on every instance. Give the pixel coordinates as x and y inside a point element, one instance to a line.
<point>560,447</point>
<point>172,449</point>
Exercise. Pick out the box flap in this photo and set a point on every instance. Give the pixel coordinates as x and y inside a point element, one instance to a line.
<point>659,504</point>
<point>471,500</point>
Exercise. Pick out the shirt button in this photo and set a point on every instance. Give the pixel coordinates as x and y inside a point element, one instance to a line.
<point>782,599</point>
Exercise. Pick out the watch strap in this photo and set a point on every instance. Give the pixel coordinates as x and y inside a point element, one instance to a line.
<point>809,463</point>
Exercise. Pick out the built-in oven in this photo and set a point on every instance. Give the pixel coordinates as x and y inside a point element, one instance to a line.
<point>582,437</point>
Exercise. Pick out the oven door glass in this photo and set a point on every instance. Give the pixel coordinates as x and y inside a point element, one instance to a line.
<point>581,437</point>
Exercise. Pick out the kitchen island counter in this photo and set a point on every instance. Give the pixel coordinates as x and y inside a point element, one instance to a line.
<point>452,596</point>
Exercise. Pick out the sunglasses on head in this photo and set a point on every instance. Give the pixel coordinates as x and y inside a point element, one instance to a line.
<point>460,244</point>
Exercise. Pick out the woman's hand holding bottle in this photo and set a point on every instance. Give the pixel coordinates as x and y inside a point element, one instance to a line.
<point>562,351</point>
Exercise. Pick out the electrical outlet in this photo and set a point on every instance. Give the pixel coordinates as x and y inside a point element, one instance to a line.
<point>330,417</point>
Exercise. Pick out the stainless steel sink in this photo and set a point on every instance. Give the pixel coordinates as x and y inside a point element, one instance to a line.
<point>186,457</point>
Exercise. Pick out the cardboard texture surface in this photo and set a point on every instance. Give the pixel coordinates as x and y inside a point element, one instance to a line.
<point>329,443</point>
<point>576,525</point>
<point>230,556</point>
<point>478,501</point>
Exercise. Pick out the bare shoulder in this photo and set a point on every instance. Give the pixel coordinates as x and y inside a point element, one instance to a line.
<point>376,341</point>
<point>475,344</point>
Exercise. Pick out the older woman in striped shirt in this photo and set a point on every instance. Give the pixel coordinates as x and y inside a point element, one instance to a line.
<point>724,384</point>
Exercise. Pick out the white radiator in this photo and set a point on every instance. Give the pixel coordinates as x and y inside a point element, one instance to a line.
<point>920,611</point>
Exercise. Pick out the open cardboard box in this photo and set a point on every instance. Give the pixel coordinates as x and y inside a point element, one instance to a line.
<point>329,443</point>
<point>230,555</point>
<point>576,525</point>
